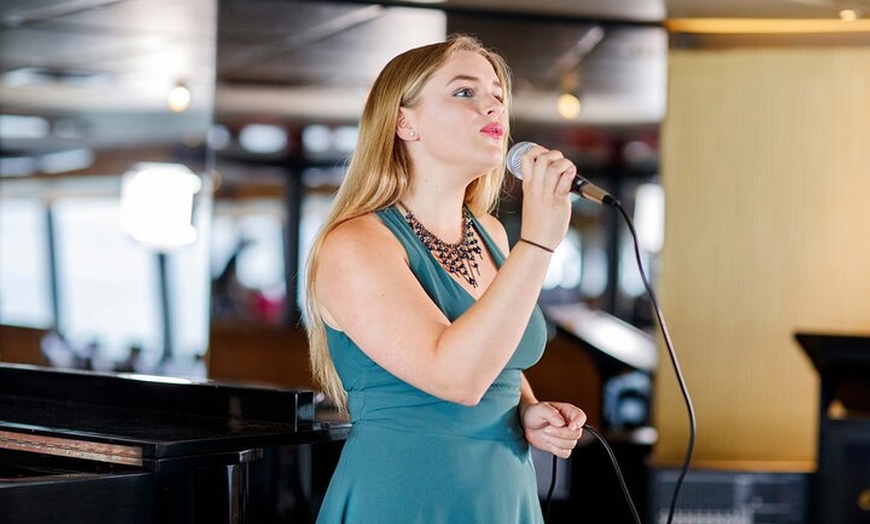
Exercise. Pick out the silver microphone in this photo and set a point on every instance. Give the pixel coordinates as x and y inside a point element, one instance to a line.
<point>580,186</point>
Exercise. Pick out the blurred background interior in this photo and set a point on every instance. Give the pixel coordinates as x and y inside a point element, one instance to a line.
<point>164,166</point>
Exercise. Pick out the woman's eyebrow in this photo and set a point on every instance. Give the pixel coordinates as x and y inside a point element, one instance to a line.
<point>471,78</point>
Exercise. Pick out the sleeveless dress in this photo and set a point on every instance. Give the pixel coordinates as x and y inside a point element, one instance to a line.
<point>412,458</point>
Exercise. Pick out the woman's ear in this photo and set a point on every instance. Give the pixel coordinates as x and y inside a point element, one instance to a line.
<point>404,129</point>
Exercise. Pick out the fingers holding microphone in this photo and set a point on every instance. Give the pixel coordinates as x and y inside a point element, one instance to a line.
<point>547,172</point>
<point>547,179</point>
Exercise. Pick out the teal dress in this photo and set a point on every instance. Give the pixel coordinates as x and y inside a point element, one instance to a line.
<point>413,458</point>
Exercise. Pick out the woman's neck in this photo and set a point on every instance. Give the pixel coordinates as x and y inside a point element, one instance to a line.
<point>440,211</point>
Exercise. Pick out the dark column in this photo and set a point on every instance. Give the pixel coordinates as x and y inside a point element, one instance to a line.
<point>293,193</point>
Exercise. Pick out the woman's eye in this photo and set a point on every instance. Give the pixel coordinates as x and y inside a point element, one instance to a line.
<point>465,92</point>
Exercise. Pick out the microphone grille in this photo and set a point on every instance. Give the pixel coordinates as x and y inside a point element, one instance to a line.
<point>514,158</point>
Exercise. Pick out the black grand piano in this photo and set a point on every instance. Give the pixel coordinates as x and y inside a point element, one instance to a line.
<point>84,447</point>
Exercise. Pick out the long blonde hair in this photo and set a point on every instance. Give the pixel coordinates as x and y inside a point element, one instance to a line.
<point>379,172</point>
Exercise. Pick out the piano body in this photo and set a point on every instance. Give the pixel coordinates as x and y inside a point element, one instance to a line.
<point>83,447</point>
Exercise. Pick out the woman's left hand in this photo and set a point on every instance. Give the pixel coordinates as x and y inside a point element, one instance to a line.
<point>554,427</point>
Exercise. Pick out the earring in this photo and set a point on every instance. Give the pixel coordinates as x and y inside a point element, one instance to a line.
<point>413,133</point>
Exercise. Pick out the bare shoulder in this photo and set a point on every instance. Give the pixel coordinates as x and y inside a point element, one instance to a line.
<point>496,230</point>
<point>357,261</point>
<point>363,236</point>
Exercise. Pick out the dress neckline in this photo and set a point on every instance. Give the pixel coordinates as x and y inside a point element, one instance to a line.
<point>491,248</point>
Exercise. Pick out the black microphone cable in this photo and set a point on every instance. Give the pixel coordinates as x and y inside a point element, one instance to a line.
<point>622,484</point>
<point>681,381</point>
<point>552,486</point>
<point>684,469</point>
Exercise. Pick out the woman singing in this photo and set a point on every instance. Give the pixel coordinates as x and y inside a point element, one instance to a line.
<point>421,318</point>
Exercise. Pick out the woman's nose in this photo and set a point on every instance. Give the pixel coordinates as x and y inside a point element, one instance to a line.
<point>494,107</point>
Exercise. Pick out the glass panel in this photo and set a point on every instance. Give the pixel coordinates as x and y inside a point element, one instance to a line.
<point>248,264</point>
<point>108,284</point>
<point>25,298</point>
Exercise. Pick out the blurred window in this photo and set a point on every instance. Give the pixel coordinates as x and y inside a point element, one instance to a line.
<point>25,296</point>
<point>109,286</point>
<point>247,254</point>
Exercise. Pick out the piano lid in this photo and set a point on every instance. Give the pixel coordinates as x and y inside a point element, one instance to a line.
<point>606,333</point>
<point>139,420</point>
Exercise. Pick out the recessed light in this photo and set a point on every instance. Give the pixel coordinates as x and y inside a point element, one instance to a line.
<point>849,15</point>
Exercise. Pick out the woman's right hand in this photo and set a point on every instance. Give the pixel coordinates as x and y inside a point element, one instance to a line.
<point>547,180</point>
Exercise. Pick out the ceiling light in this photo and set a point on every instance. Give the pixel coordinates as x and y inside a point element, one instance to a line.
<point>23,127</point>
<point>850,15</point>
<point>67,160</point>
<point>764,26</point>
<point>263,138</point>
<point>316,138</point>
<point>568,106</point>
<point>157,204</point>
<point>178,98</point>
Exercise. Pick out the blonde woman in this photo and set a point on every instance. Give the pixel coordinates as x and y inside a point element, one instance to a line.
<point>419,320</point>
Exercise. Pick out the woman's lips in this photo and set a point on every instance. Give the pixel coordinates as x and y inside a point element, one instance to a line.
<point>493,130</point>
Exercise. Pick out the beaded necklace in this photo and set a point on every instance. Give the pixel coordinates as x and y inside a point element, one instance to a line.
<point>459,258</point>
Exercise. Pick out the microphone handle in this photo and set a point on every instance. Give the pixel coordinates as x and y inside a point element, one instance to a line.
<point>590,191</point>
